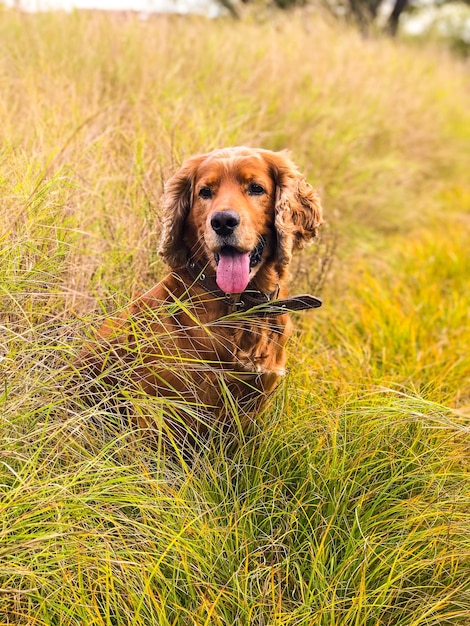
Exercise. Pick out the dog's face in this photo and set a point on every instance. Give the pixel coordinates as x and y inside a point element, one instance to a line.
<point>240,210</point>
<point>231,221</point>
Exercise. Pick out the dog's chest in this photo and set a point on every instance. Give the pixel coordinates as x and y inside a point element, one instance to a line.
<point>254,346</point>
<point>258,347</point>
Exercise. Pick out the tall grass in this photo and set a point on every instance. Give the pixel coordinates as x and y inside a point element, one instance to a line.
<point>349,501</point>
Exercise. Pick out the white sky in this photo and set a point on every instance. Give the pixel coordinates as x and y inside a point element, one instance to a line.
<point>206,7</point>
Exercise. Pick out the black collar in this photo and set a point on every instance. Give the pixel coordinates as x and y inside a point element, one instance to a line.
<point>258,303</point>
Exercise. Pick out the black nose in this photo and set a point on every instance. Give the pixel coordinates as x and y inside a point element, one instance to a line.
<point>225,222</point>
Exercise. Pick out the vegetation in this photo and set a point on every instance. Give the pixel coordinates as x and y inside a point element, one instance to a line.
<point>444,20</point>
<point>348,504</point>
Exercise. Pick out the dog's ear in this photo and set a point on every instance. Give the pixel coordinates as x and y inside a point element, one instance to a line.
<point>177,200</point>
<point>306,212</point>
<point>298,212</point>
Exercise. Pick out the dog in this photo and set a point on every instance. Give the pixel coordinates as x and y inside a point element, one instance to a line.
<point>208,341</point>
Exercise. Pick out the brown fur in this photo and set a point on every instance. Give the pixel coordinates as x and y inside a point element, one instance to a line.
<point>176,340</point>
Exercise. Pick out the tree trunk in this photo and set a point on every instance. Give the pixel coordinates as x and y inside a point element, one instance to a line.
<point>392,22</point>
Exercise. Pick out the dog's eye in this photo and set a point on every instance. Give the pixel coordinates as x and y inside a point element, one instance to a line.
<point>254,189</point>
<point>205,193</point>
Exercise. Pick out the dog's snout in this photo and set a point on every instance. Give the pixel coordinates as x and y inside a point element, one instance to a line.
<point>224,222</point>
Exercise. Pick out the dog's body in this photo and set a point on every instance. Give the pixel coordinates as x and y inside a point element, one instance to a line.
<point>231,221</point>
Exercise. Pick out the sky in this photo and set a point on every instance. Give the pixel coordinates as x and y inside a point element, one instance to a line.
<point>206,7</point>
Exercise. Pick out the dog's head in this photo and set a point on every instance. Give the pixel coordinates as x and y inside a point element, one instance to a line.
<point>241,210</point>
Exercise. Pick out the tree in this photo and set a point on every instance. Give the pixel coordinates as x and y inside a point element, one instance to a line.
<point>394,17</point>
<point>364,13</point>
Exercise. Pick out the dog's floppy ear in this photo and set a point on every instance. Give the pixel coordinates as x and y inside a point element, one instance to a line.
<point>298,212</point>
<point>177,199</point>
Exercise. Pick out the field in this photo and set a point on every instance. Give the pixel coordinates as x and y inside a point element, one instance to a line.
<point>349,502</point>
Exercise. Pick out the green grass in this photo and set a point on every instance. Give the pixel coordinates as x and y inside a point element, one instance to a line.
<point>349,502</point>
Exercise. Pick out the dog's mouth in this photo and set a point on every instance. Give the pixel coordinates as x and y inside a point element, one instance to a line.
<point>233,266</point>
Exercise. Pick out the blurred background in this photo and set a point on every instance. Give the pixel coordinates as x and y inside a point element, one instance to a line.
<point>442,19</point>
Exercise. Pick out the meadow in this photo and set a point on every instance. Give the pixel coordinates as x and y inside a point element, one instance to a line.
<point>349,502</point>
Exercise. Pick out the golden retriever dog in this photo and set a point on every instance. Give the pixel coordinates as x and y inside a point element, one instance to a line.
<point>208,341</point>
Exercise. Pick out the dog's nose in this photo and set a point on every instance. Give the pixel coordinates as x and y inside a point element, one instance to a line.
<point>225,222</point>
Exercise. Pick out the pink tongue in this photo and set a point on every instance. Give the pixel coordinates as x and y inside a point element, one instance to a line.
<point>233,271</point>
